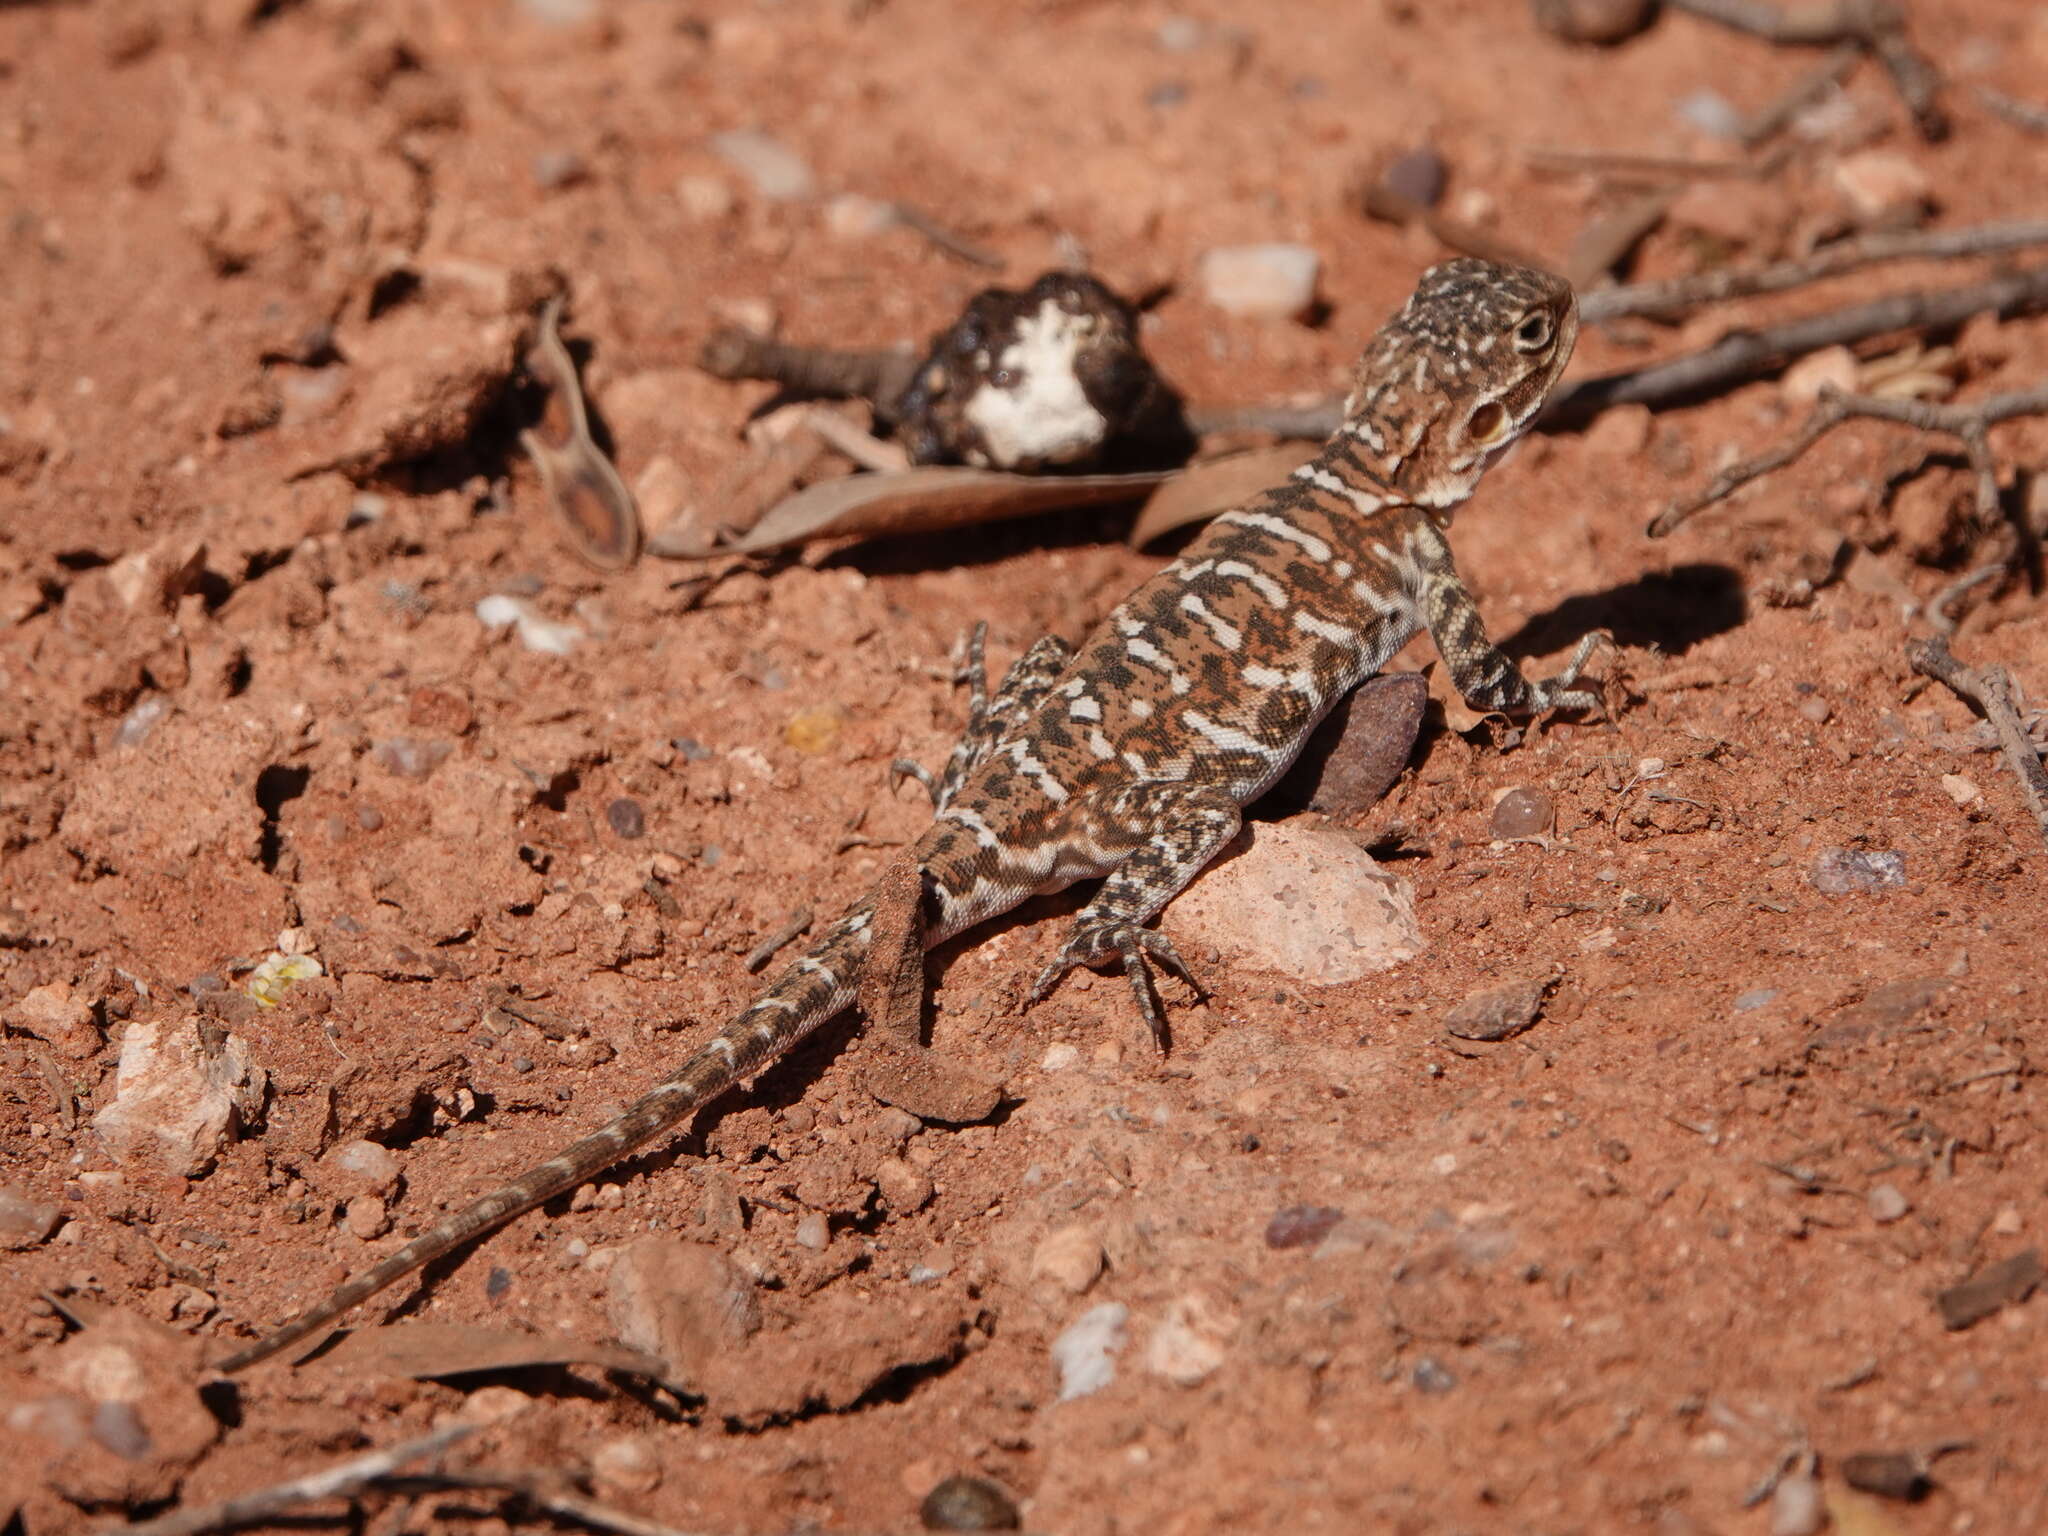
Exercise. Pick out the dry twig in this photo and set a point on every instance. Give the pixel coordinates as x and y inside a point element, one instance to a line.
<point>1745,354</point>
<point>546,1494</point>
<point>1878,27</point>
<point>337,1481</point>
<point>2021,114</point>
<point>1674,296</point>
<point>764,951</point>
<point>1809,88</point>
<point>1989,687</point>
<point>826,372</point>
<point>1969,424</point>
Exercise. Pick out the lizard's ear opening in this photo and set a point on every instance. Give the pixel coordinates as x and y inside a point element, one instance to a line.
<point>1488,424</point>
<point>1534,333</point>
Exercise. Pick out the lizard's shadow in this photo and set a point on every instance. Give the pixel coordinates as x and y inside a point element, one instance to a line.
<point>1670,610</point>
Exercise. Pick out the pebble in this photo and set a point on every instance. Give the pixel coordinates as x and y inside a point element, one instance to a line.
<point>963,1503</point>
<point>1881,187</point>
<point>1594,21</point>
<point>1297,1226</point>
<point>1800,384</point>
<point>1300,901</point>
<point>369,818</point>
<point>1071,1258</point>
<point>136,725</point>
<point>683,1302</point>
<point>1269,282</point>
<point>626,1465</point>
<point>1755,998</point>
<point>1431,1378</point>
<point>1959,789</point>
<point>1842,871</point>
<point>1060,1055</point>
<point>705,199</point>
<point>1189,1343</point>
<point>536,631</point>
<point>1523,812</point>
<point>1711,113</point>
<point>813,1232</point>
<point>554,169</point>
<point>778,172</point>
<point>850,216</point>
<point>1418,175</point>
<point>904,1187</point>
<point>410,757</point>
<point>1815,708</point>
<point>1887,1204</point>
<point>1085,1352</point>
<point>362,1167</point>
<point>176,1102</point>
<point>367,1217</point>
<point>1499,1012</point>
<point>23,1222</point>
<point>1798,1508</point>
<point>559,13</point>
<point>55,1014</point>
<point>626,817</point>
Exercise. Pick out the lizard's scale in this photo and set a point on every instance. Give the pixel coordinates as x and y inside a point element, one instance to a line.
<point>1131,758</point>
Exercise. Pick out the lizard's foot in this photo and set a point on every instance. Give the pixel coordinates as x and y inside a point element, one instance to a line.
<point>1557,692</point>
<point>1135,947</point>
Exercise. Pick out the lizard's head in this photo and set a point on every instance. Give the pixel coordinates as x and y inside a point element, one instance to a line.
<point>1460,373</point>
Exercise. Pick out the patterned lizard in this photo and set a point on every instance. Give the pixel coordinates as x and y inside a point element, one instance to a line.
<point>1131,758</point>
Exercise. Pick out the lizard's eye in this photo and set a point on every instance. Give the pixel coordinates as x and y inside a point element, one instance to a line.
<point>1487,425</point>
<point>1533,334</point>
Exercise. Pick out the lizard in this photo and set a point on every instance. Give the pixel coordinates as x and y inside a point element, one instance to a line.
<point>1130,758</point>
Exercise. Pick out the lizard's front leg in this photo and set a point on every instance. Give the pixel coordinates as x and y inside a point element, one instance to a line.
<point>1172,829</point>
<point>1483,674</point>
<point>989,720</point>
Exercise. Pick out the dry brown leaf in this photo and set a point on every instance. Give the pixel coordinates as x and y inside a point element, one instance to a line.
<point>907,501</point>
<point>1203,490</point>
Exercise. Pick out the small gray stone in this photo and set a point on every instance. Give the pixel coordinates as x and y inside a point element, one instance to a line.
<point>626,817</point>
<point>554,169</point>
<point>1419,175</point>
<point>1711,113</point>
<point>1523,812</point>
<point>1431,1378</point>
<point>1887,1204</point>
<point>1798,1507</point>
<point>1845,871</point>
<point>969,1504</point>
<point>1499,1012</point>
<point>1085,1352</point>
<point>777,171</point>
<point>1755,998</point>
<point>1268,282</point>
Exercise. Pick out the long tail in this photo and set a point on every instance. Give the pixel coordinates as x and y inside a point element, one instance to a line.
<point>804,995</point>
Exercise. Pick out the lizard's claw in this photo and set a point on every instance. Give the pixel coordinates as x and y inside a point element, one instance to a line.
<point>1135,947</point>
<point>1557,692</point>
<point>903,768</point>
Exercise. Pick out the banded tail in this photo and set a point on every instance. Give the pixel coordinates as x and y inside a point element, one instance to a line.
<point>803,996</point>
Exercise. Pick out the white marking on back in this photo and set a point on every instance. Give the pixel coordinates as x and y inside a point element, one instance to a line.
<point>1045,416</point>
<point>1228,635</point>
<point>1228,737</point>
<point>1280,528</point>
<point>1083,708</point>
<point>1035,770</point>
<point>1301,680</point>
<point>1260,582</point>
<point>1322,628</point>
<point>1099,745</point>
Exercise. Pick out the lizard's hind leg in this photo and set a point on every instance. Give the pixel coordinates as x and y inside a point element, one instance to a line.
<point>989,720</point>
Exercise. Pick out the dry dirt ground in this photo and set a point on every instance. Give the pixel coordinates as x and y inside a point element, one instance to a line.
<point>265,271</point>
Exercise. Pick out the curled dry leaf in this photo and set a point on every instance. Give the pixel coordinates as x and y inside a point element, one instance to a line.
<point>907,501</point>
<point>584,491</point>
<point>1202,490</point>
<point>425,1351</point>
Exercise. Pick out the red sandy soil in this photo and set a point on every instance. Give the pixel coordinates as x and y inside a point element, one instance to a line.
<point>261,262</point>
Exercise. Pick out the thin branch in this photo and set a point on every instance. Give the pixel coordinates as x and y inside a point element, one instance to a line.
<point>1673,297</point>
<point>953,245</point>
<point>2021,114</point>
<point>1876,26</point>
<point>338,1481</point>
<point>1307,422</point>
<point>1631,167</point>
<point>1769,121</point>
<point>1606,239</point>
<point>1969,424</point>
<point>1989,687</point>
<point>1743,355</point>
<point>826,372</point>
<point>544,1494</point>
<point>764,951</point>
